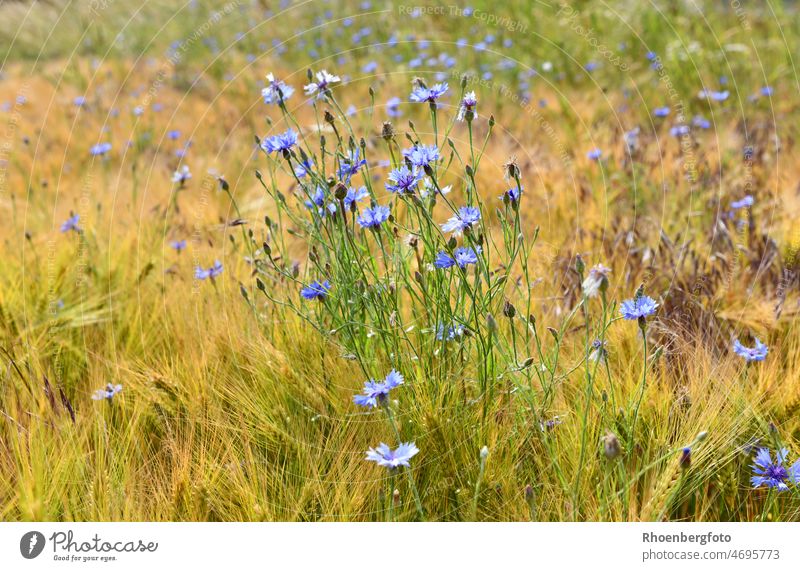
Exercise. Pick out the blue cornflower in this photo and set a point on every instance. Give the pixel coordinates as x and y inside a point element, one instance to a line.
<point>512,195</point>
<point>71,223</point>
<point>428,189</point>
<point>276,91</point>
<point>757,353</point>
<point>467,108</point>
<point>374,217</point>
<point>631,138</point>
<point>212,272</point>
<point>79,101</point>
<point>100,149</point>
<point>318,200</point>
<point>661,111</point>
<point>774,475</point>
<point>106,393</point>
<point>303,168</point>
<point>766,91</point>
<point>316,290</point>
<point>376,392</point>
<point>404,180</point>
<point>463,256</point>
<point>450,332</point>
<point>685,461</point>
<point>393,107</point>
<point>714,95</point>
<point>638,307</point>
<point>173,135</point>
<point>322,83</point>
<point>388,458</point>
<point>594,154</point>
<point>282,142</point>
<point>466,217</point>
<point>679,130</point>
<point>745,202</point>
<point>599,351</point>
<point>355,195</point>
<point>701,122</point>
<point>178,245</point>
<point>421,155</point>
<point>181,175</point>
<point>350,165</point>
<point>421,94</point>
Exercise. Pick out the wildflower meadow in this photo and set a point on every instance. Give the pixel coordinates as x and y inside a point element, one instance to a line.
<point>374,261</point>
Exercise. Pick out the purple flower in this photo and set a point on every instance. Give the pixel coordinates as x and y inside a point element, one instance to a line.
<point>745,202</point>
<point>428,189</point>
<point>71,223</point>
<point>467,107</point>
<point>421,94</point>
<point>100,149</point>
<point>178,245</point>
<point>393,107</point>
<point>679,130</point>
<point>376,392</point>
<point>661,111</point>
<point>594,154</point>
<point>210,273</point>
<point>404,180</point>
<point>317,200</point>
<point>181,175</point>
<point>322,83</point>
<point>373,217</point>
<point>279,143</point>
<point>774,475</point>
<point>106,393</point>
<point>685,461</point>
<point>276,91</point>
<point>350,165</point>
<point>599,351</point>
<point>466,217</point>
<point>316,290</point>
<point>174,135</point>
<point>631,138</point>
<point>511,196</point>
<point>421,155</point>
<point>388,458</point>
<point>638,308</point>
<point>450,332</point>
<point>757,353</point>
<point>355,195</point>
<point>463,257</point>
<point>713,95</point>
<point>701,122</point>
<point>303,168</point>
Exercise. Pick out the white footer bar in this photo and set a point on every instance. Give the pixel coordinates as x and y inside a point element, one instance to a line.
<point>386,547</point>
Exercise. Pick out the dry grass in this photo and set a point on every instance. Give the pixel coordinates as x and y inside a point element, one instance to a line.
<point>232,411</point>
